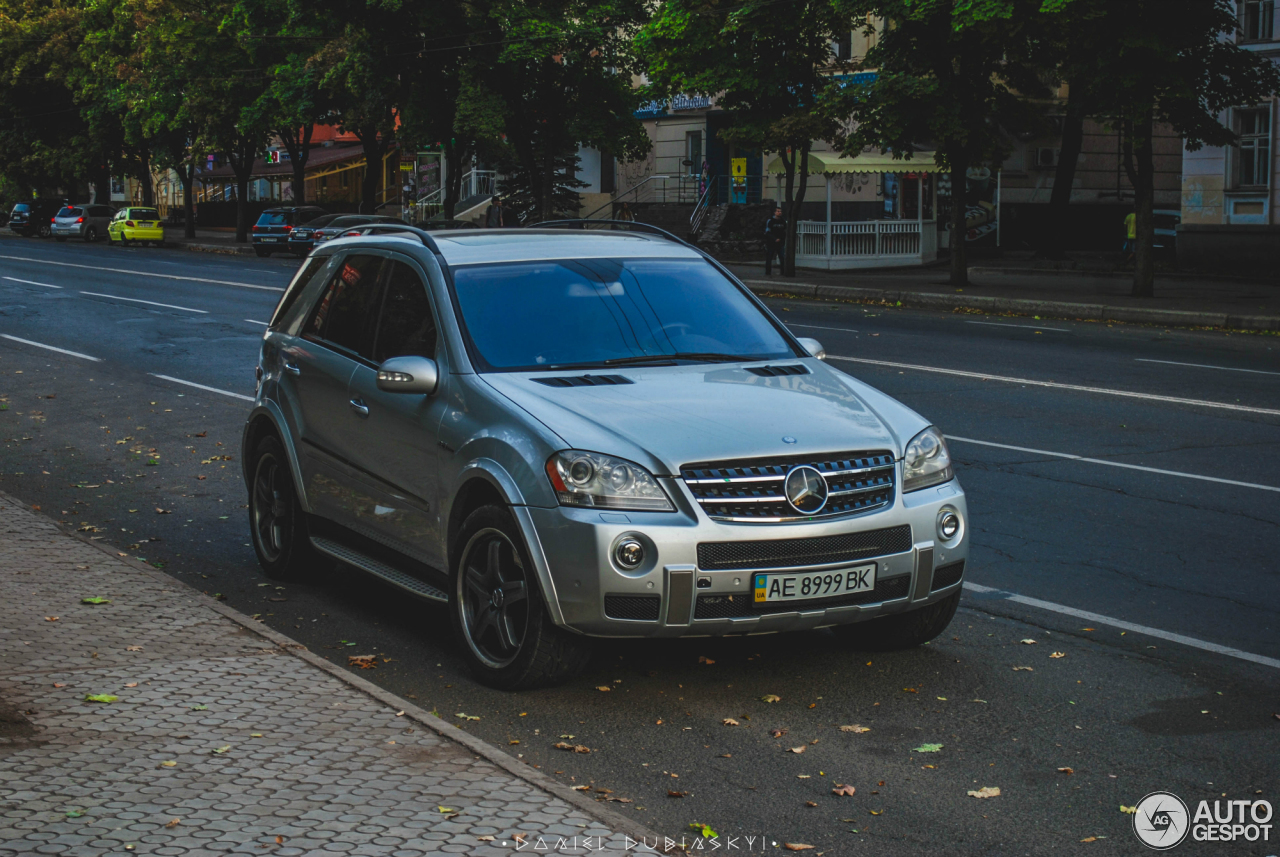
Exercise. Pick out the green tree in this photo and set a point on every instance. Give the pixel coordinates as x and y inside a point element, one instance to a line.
<point>952,74</point>
<point>1143,62</point>
<point>769,66</point>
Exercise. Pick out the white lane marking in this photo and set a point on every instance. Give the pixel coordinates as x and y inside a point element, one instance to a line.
<point>255,321</point>
<point>1027,326</point>
<point>1070,457</point>
<point>1056,386</point>
<point>147,274</point>
<point>819,327</point>
<point>1127,626</point>
<point>140,301</point>
<point>52,348</point>
<point>1202,366</point>
<point>31,283</point>
<point>202,387</point>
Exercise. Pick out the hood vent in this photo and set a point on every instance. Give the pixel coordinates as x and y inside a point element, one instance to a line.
<point>585,381</point>
<point>778,371</point>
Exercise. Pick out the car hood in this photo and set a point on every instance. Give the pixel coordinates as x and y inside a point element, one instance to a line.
<point>671,416</point>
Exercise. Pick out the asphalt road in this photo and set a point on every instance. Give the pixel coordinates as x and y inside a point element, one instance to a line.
<point>1170,663</point>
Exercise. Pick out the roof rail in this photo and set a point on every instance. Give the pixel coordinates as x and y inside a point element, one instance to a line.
<point>388,228</point>
<point>618,225</point>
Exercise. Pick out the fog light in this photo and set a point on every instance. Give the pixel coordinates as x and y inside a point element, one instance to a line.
<point>629,553</point>
<point>948,525</point>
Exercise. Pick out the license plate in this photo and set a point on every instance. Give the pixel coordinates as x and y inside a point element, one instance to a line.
<point>272,240</point>
<point>797,586</point>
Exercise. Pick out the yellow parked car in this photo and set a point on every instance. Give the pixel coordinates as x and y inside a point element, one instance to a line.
<point>138,225</point>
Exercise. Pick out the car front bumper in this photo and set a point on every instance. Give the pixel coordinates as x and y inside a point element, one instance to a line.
<point>671,595</point>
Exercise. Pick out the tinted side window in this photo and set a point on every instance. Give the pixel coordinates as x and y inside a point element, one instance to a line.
<point>347,312</point>
<point>296,288</point>
<point>407,328</point>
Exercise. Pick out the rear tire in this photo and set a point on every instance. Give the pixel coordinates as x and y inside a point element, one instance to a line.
<point>91,235</point>
<point>498,612</point>
<point>901,630</point>
<point>277,521</point>
<point>44,230</point>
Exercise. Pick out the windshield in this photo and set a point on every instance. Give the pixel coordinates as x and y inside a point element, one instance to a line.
<point>143,214</point>
<point>21,207</point>
<point>544,315</point>
<point>68,211</point>
<point>273,218</point>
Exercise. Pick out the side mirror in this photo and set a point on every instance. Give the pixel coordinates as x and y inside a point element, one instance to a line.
<point>409,375</point>
<point>813,346</point>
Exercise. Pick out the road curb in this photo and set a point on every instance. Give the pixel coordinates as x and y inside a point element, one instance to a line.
<point>999,271</point>
<point>614,820</point>
<point>1024,306</point>
<point>233,250</point>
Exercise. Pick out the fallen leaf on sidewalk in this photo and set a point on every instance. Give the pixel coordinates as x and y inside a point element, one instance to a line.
<point>842,789</point>
<point>797,846</point>
<point>1066,770</point>
<point>51,618</point>
<point>132,684</point>
<point>446,809</point>
<point>59,684</point>
<point>1022,669</point>
<point>1128,810</point>
<point>704,830</point>
<point>133,648</point>
<point>855,728</point>
<point>581,788</point>
<point>220,750</point>
<point>797,750</point>
<point>100,697</point>
<point>485,838</point>
<point>1058,655</point>
<point>365,662</point>
<point>169,764</point>
<point>462,715</point>
<point>255,734</point>
<point>75,813</point>
<point>984,792</point>
<point>729,721</point>
<point>174,823</point>
<point>571,748</point>
<point>927,748</point>
<point>97,599</point>
<point>198,707</point>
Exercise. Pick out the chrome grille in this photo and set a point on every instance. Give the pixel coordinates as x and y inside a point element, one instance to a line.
<point>752,489</point>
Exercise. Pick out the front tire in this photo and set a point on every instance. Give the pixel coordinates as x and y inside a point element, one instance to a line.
<point>44,230</point>
<point>498,612</point>
<point>277,522</point>
<point>901,630</point>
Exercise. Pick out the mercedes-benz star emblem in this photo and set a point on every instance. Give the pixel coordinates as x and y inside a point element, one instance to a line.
<point>806,490</point>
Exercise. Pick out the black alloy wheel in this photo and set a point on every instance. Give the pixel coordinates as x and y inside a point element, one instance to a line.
<point>493,596</point>
<point>277,522</point>
<point>44,230</point>
<point>91,235</point>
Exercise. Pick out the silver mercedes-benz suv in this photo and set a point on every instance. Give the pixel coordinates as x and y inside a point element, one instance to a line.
<point>568,433</point>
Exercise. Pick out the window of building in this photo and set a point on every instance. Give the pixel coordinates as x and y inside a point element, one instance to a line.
<point>1254,149</point>
<point>843,47</point>
<point>693,152</point>
<point>1257,20</point>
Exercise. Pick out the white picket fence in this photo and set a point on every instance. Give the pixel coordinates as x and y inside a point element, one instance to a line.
<point>866,244</point>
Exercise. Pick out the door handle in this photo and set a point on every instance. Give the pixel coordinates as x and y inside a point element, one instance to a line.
<point>292,368</point>
<point>360,407</point>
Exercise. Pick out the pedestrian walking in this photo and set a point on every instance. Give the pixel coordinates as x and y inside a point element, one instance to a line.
<point>624,214</point>
<point>1131,238</point>
<point>496,218</point>
<point>775,238</point>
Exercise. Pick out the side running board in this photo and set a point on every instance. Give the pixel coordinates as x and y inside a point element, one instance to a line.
<point>379,569</point>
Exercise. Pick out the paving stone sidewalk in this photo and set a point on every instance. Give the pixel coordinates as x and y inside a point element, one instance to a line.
<point>220,738</point>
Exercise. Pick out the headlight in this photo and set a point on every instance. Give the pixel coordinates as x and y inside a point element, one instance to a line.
<point>926,461</point>
<point>602,481</point>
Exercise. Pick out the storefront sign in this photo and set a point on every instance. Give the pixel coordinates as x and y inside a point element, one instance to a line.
<point>690,102</point>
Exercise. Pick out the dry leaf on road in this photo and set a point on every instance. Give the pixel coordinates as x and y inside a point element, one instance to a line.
<point>703,659</point>
<point>810,803</point>
<point>799,749</point>
<point>365,662</point>
<point>927,748</point>
<point>581,788</point>
<point>855,728</point>
<point>777,732</point>
<point>1022,669</point>
<point>771,697</point>
<point>1128,810</point>
<point>1066,770</point>
<point>984,792</point>
<point>729,721</point>
<point>572,748</point>
<point>462,715</point>
<point>604,688</point>
<point>796,846</point>
<point>676,794</point>
<point>1027,642</point>
<point>1058,655</point>
<point>842,789</point>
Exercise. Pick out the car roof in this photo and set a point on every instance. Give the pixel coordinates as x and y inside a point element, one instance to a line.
<point>484,246</point>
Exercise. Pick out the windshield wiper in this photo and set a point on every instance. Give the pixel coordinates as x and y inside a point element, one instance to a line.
<point>703,356</point>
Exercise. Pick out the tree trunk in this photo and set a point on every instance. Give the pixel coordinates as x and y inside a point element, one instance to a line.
<point>299,148</point>
<point>959,161</point>
<point>144,178</point>
<point>1144,203</point>
<point>793,214</point>
<point>242,159</point>
<point>1064,176</point>
<point>374,148</point>
<point>187,174</point>
<point>100,176</point>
